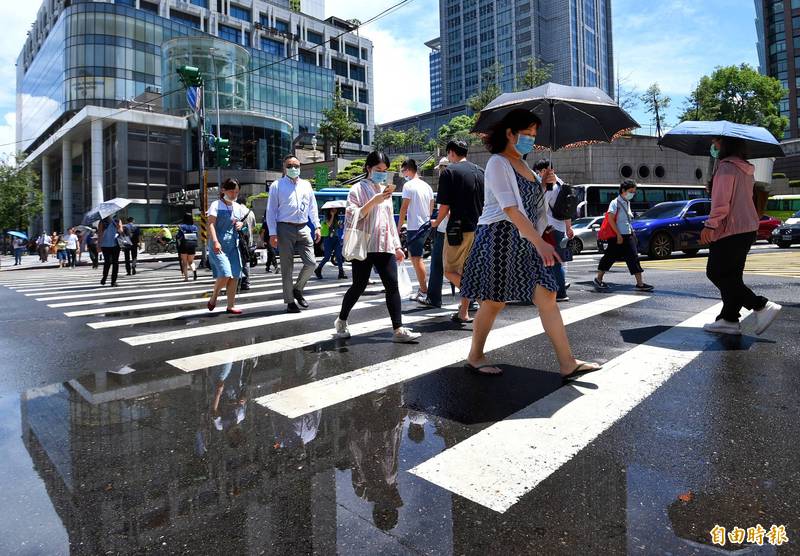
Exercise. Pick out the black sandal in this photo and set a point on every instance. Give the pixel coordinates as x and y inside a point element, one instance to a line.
<point>477,370</point>
<point>578,372</point>
<point>458,320</point>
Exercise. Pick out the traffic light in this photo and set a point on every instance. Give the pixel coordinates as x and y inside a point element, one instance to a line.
<point>223,147</point>
<point>190,76</point>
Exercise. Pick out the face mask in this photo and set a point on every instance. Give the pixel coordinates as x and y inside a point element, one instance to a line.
<point>407,178</point>
<point>525,144</point>
<point>380,177</point>
<point>230,198</point>
<point>293,173</point>
<point>628,196</point>
<point>714,151</point>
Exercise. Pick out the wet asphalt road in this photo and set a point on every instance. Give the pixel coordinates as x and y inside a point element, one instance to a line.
<point>133,438</point>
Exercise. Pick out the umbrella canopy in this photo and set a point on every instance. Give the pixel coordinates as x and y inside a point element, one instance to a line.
<point>20,235</point>
<point>105,209</point>
<point>571,116</point>
<point>334,205</point>
<point>695,138</point>
<point>83,228</point>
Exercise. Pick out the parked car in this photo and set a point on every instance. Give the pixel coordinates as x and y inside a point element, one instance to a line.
<point>670,227</point>
<point>585,237</point>
<point>787,234</point>
<point>765,227</point>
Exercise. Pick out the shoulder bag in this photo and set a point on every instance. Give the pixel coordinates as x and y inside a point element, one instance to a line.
<point>355,239</point>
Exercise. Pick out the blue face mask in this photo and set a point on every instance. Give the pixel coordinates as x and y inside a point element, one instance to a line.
<point>714,151</point>
<point>380,177</point>
<point>525,144</point>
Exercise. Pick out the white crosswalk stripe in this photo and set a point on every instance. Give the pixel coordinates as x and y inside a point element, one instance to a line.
<point>340,388</point>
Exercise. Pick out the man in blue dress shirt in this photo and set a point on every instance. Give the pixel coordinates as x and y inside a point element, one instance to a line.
<point>290,207</point>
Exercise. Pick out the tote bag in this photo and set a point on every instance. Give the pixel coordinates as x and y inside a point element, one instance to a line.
<point>355,240</point>
<point>606,232</point>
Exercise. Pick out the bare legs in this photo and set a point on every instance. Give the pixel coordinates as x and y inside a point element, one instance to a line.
<point>230,285</point>
<point>552,323</point>
<point>419,270</point>
<point>463,309</point>
<point>186,263</point>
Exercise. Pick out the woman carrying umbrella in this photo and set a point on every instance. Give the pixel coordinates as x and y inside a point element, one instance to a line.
<point>108,230</point>
<point>730,231</point>
<point>509,259</point>
<point>224,222</point>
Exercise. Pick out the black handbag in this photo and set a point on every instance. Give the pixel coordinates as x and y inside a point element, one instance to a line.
<point>124,242</point>
<point>454,233</point>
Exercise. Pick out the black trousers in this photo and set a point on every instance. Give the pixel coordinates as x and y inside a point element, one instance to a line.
<point>272,259</point>
<point>386,266</point>
<point>625,251</point>
<point>725,269</point>
<point>111,260</point>
<point>131,255</point>
<point>72,257</point>
<point>92,249</point>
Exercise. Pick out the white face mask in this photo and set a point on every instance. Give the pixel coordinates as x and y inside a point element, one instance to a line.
<point>230,198</point>
<point>293,173</point>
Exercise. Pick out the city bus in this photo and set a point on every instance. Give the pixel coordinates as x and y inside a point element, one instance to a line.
<point>782,206</point>
<point>340,194</point>
<point>593,198</point>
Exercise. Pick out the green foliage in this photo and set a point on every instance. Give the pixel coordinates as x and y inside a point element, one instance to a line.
<point>251,199</point>
<point>386,139</point>
<point>20,195</point>
<point>337,123</point>
<point>738,94</point>
<point>396,162</point>
<point>429,165</point>
<point>491,88</point>
<point>536,73</point>
<point>655,103</point>
<point>459,127</point>
<point>352,170</point>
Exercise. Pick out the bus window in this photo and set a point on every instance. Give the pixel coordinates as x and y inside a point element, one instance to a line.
<point>655,196</point>
<point>607,195</point>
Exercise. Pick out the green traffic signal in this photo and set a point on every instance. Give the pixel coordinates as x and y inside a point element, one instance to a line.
<point>223,147</point>
<point>190,76</point>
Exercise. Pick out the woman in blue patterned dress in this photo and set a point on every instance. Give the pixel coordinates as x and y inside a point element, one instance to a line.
<point>509,259</point>
<point>224,222</point>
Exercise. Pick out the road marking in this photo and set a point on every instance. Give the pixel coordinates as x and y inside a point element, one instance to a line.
<point>237,324</point>
<point>783,263</point>
<point>183,286</point>
<point>179,314</point>
<point>211,359</point>
<point>125,283</point>
<point>314,396</point>
<point>206,290</point>
<point>502,463</point>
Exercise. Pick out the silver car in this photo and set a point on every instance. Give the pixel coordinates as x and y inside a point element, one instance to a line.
<point>585,237</point>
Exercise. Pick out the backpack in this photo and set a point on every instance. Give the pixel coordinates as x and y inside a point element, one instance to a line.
<point>566,203</point>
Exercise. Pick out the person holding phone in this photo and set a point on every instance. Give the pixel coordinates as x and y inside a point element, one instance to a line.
<point>224,223</point>
<point>370,202</point>
<point>509,260</point>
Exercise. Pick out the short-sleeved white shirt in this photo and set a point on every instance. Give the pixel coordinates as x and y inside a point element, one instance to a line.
<point>419,210</point>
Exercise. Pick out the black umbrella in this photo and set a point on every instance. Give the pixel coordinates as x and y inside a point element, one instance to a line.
<point>571,116</point>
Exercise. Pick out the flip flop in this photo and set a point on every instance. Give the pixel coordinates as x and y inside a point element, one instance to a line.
<point>580,371</point>
<point>477,370</point>
<point>211,305</point>
<point>455,318</point>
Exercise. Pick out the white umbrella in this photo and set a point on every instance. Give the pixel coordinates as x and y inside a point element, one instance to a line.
<point>334,205</point>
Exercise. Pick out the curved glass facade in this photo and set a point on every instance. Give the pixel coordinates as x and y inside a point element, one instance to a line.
<point>221,63</point>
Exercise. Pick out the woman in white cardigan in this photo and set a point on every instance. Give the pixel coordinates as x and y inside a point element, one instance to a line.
<point>509,259</point>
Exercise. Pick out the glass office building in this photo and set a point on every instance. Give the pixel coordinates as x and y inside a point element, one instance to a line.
<point>435,61</point>
<point>95,76</point>
<point>778,56</point>
<point>480,37</point>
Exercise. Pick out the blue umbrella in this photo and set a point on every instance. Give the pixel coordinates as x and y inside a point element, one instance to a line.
<point>694,138</point>
<point>18,234</point>
<point>105,209</point>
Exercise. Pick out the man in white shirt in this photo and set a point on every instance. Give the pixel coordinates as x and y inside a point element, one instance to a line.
<point>72,247</point>
<point>416,210</point>
<point>43,245</point>
<point>561,229</point>
<point>290,208</point>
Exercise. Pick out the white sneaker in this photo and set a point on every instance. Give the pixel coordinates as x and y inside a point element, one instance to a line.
<point>765,316</point>
<point>193,267</point>
<point>341,329</point>
<point>419,296</point>
<point>405,335</point>
<point>723,326</point>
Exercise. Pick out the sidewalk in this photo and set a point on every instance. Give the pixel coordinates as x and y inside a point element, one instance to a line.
<point>31,262</point>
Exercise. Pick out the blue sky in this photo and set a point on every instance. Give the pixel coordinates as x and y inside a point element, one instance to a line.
<point>672,42</point>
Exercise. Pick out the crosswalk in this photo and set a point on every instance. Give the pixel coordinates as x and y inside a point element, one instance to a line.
<point>156,310</point>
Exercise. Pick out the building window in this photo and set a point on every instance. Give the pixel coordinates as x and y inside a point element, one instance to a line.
<point>644,171</point>
<point>148,7</point>
<point>364,54</point>
<point>351,50</point>
<point>131,3</point>
<point>229,34</point>
<point>347,91</point>
<point>240,13</point>
<point>660,172</point>
<point>339,68</point>
<point>626,171</point>
<point>186,19</point>
<point>201,3</point>
<point>272,47</point>
<point>308,57</point>
<point>363,96</point>
<point>315,37</point>
<point>359,114</point>
<point>358,72</point>
<point>282,26</point>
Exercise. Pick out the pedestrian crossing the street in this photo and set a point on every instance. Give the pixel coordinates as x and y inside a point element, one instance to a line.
<point>157,312</point>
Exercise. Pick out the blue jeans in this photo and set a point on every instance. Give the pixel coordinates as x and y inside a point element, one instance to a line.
<point>557,270</point>
<point>330,246</point>
<point>436,276</point>
<point>18,255</point>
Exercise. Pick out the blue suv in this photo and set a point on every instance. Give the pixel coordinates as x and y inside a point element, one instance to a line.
<point>669,227</point>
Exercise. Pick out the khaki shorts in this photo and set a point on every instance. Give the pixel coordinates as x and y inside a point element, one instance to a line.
<point>456,255</point>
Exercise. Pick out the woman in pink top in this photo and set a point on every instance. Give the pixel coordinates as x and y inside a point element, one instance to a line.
<point>370,201</point>
<point>730,231</point>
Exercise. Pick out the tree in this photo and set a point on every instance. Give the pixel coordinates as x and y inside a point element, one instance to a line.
<point>337,123</point>
<point>386,139</point>
<point>655,103</point>
<point>491,88</point>
<point>20,195</point>
<point>459,127</point>
<point>738,94</point>
<point>627,96</point>
<point>536,73</point>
